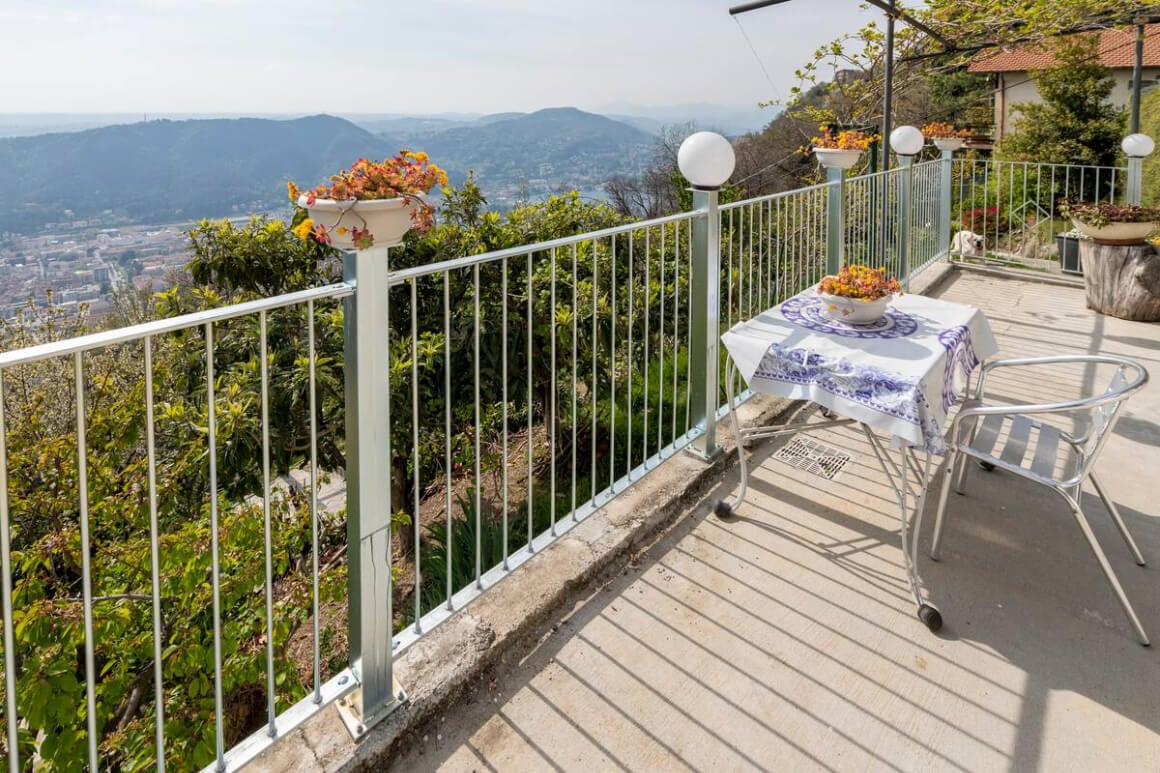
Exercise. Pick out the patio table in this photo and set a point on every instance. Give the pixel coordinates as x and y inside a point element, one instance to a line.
<point>899,376</point>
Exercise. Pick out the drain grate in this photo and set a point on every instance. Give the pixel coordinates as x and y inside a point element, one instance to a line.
<point>813,457</point>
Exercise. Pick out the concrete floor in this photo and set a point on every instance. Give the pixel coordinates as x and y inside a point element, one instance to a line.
<point>785,638</point>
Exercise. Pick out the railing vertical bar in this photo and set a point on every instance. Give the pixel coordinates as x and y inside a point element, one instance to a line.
<point>676,322</point>
<point>6,597</point>
<point>312,356</point>
<point>661,351</point>
<point>264,377</point>
<point>448,471</point>
<point>154,549</point>
<point>748,273</point>
<point>418,490</point>
<point>475,434</point>
<point>531,415</point>
<point>759,255</point>
<point>595,384</point>
<point>688,326</point>
<point>645,404</point>
<point>504,377</point>
<point>728,296</point>
<point>611,361</point>
<point>215,568</point>
<point>631,315</point>
<point>554,420</point>
<point>575,363</point>
<point>86,568</point>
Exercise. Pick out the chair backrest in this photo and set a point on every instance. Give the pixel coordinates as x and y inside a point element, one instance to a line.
<point>1128,379</point>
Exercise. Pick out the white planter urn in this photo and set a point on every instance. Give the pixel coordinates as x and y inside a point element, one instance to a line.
<point>387,220</point>
<point>1116,233</point>
<point>949,143</point>
<point>854,311</point>
<point>837,158</point>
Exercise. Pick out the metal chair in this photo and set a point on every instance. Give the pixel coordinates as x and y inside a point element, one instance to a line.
<point>1062,461</point>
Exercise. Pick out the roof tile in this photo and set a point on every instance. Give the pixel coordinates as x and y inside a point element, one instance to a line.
<point>1117,49</point>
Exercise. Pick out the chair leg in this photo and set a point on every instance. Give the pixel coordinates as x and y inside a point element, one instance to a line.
<point>1115,513</point>
<point>964,460</point>
<point>1081,521</point>
<point>948,473</point>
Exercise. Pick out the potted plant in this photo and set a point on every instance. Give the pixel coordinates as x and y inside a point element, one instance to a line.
<point>945,136</point>
<point>841,150</point>
<point>1107,223</point>
<point>373,202</point>
<point>858,295</point>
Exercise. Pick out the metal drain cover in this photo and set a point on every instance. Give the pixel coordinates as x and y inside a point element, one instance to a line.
<point>813,457</point>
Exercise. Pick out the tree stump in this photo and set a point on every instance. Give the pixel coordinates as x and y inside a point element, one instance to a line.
<point>1122,280</point>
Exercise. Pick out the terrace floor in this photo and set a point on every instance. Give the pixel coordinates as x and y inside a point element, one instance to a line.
<point>785,638</point>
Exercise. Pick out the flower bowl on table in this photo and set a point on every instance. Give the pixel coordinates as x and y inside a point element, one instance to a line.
<point>374,203</point>
<point>857,295</point>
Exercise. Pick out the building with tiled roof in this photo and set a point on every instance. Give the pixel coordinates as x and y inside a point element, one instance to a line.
<point>1013,70</point>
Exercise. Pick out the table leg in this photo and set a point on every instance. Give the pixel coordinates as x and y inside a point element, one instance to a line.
<point>898,476</point>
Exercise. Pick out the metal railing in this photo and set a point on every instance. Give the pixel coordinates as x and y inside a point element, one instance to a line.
<point>114,433</point>
<point>1009,210</point>
<point>485,404</point>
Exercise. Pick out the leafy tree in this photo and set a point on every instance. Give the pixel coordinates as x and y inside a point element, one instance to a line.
<point>1074,123</point>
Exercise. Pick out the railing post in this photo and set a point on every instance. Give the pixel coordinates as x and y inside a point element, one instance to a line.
<point>904,194</point>
<point>946,186</point>
<point>705,321</point>
<point>1136,147</point>
<point>706,160</point>
<point>835,228</point>
<point>368,490</point>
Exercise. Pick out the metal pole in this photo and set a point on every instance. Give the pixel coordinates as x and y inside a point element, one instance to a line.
<point>945,190</point>
<point>888,97</point>
<point>1137,77</point>
<point>907,165</point>
<point>1134,186</point>
<point>368,488</point>
<point>835,227</point>
<point>705,324</point>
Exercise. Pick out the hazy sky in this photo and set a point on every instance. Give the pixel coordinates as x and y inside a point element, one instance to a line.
<point>371,56</point>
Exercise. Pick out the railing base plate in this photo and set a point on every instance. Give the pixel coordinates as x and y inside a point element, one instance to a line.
<point>358,725</point>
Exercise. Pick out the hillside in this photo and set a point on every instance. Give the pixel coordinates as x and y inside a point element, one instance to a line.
<point>166,171</point>
<point>541,151</point>
<point>161,171</point>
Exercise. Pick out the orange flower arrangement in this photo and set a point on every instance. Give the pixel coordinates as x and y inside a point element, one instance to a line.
<point>408,175</point>
<point>860,282</point>
<point>942,130</point>
<point>850,139</point>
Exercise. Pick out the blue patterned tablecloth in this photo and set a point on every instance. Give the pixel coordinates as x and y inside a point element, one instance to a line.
<point>900,374</point>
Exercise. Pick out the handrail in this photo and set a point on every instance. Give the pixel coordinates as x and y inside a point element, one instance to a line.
<point>467,261</point>
<point>170,325</point>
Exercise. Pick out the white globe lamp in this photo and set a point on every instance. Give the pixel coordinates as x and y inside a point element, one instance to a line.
<point>1138,145</point>
<point>706,160</point>
<point>907,140</point>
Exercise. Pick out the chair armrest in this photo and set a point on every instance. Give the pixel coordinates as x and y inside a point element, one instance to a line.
<point>1057,359</point>
<point>974,408</point>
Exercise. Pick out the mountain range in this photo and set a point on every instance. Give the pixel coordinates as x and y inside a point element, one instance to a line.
<point>176,170</point>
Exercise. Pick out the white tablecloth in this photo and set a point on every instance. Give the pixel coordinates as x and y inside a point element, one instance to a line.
<point>899,375</point>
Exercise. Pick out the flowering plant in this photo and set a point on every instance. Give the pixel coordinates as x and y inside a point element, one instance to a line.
<point>850,139</point>
<point>860,282</point>
<point>1099,215</point>
<point>942,130</point>
<point>408,175</point>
